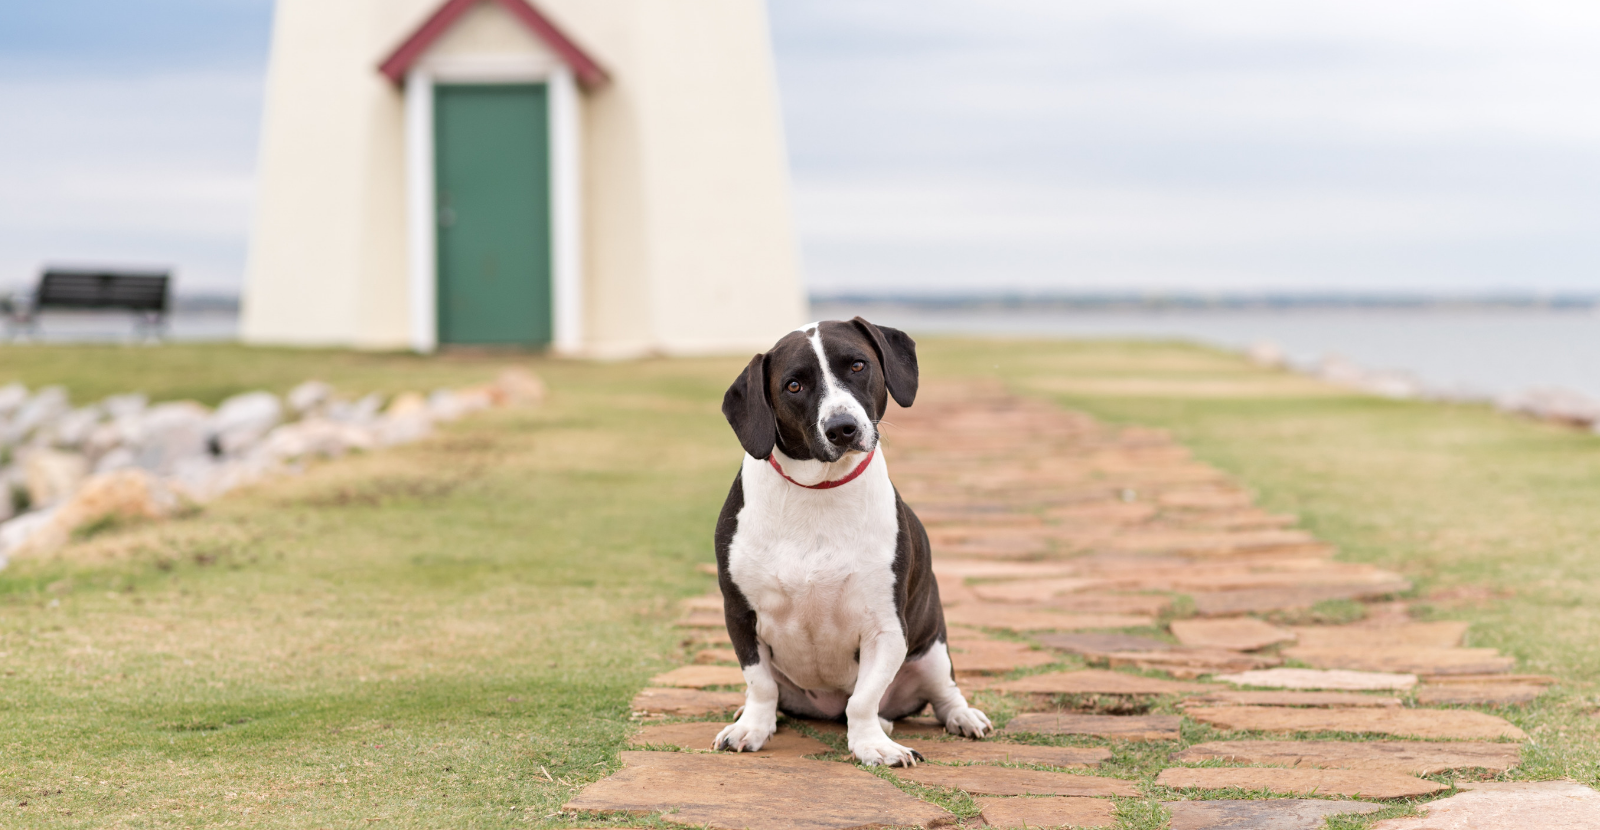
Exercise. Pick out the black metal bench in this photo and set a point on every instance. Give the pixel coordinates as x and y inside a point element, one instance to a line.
<point>144,293</point>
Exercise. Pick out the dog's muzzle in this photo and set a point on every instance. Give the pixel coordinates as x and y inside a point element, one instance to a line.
<point>845,433</point>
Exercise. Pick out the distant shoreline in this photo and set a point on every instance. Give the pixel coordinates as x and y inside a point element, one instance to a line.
<point>1220,301</point>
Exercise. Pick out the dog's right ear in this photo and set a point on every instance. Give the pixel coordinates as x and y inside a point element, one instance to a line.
<point>748,411</point>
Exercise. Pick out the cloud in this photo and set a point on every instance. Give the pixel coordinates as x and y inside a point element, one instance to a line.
<point>948,144</point>
<point>151,169</point>
<point>1031,143</point>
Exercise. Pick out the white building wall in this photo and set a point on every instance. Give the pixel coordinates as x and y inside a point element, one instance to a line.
<point>724,264</point>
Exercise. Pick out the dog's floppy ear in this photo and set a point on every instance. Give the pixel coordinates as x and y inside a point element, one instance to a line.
<point>748,411</point>
<point>898,354</point>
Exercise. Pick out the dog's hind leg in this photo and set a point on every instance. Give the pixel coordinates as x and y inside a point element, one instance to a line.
<point>760,716</point>
<point>938,686</point>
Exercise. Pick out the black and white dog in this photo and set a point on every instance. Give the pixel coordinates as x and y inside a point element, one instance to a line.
<point>827,580</point>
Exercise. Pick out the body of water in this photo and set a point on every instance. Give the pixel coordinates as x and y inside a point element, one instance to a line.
<point>112,327</point>
<point>1481,351</point>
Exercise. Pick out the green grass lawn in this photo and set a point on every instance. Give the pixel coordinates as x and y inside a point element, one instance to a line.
<point>448,633</point>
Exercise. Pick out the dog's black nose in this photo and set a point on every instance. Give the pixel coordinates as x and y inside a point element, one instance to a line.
<point>840,429</point>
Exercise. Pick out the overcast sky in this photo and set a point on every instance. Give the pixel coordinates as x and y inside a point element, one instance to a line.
<point>949,145</point>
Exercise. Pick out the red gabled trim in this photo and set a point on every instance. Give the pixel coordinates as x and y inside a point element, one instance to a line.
<point>589,73</point>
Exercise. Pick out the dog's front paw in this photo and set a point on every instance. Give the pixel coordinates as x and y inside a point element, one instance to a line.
<point>743,737</point>
<point>968,723</point>
<point>884,752</point>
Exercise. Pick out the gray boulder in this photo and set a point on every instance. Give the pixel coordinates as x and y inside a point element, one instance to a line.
<point>12,395</point>
<point>171,432</point>
<point>243,420</point>
<point>125,406</point>
<point>43,407</point>
<point>72,429</point>
<point>309,396</point>
<point>52,475</point>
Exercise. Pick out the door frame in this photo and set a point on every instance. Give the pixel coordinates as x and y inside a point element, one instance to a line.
<point>566,229</point>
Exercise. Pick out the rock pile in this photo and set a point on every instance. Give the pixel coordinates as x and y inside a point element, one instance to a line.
<point>62,467</point>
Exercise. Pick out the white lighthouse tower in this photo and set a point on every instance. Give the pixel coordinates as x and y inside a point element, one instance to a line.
<point>603,177</point>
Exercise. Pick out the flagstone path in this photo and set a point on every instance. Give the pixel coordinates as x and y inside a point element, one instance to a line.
<point>1058,541</point>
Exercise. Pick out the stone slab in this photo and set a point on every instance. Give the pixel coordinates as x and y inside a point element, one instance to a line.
<point>1096,682</point>
<point>1409,659</point>
<point>1442,634</point>
<point>1265,814</point>
<point>1000,752</point>
<point>1261,573</point>
<point>984,780</point>
<point>703,618</point>
<point>1210,543</point>
<point>1547,805</point>
<point>984,656</point>
<point>1256,600</point>
<point>1049,812</point>
<point>1189,662</point>
<point>1323,700</point>
<point>1032,590</point>
<point>1097,602</point>
<point>1410,757</point>
<point>699,677</point>
<point>1315,679</point>
<point>699,736</point>
<point>1098,643</point>
<point>1364,783</point>
<point>1478,694</point>
<point>988,569</point>
<point>685,702</point>
<point>712,656</point>
<point>914,727</point>
<point>720,790</point>
<point>1529,679</point>
<point>1240,634</point>
<point>919,726</point>
<point>953,590</point>
<point>709,637</point>
<point>705,602</point>
<point>1458,724</point>
<point>1119,727</point>
<point>1208,499</point>
<point>996,615</point>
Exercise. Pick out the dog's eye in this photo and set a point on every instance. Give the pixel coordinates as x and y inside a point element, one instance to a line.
<point>794,386</point>
<point>858,365</point>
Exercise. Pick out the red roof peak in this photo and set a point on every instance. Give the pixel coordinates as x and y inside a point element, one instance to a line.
<point>588,71</point>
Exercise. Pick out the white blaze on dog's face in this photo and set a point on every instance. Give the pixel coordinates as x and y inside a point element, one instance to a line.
<point>846,384</point>
<point>819,393</point>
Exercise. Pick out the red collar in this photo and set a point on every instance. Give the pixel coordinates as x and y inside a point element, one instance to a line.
<point>826,485</point>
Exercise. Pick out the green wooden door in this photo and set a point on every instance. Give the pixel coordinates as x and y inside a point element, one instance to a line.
<point>492,180</point>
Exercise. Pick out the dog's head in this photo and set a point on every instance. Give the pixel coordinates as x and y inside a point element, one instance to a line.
<point>821,390</point>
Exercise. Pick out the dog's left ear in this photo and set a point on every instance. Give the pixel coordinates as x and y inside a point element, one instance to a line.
<point>748,411</point>
<point>898,354</point>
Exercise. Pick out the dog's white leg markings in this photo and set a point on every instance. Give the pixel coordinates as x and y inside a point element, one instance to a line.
<point>759,718</point>
<point>882,655</point>
<point>941,690</point>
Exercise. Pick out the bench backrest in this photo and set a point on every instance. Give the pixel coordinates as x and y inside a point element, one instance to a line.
<point>135,291</point>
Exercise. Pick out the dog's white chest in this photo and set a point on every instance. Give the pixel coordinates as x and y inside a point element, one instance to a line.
<point>817,566</point>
